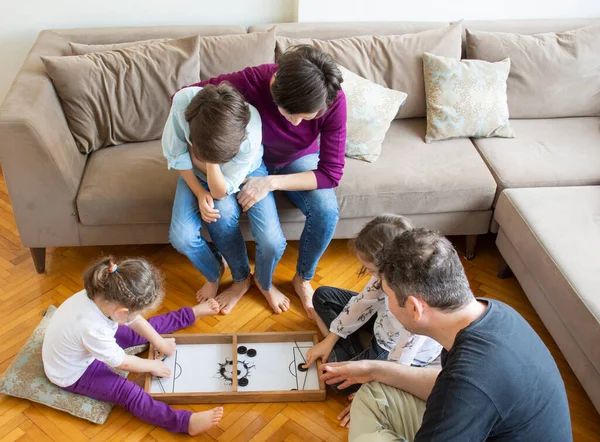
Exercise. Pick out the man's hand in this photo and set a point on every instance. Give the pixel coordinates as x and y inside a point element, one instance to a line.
<point>344,416</point>
<point>166,346</point>
<point>348,373</point>
<point>321,350</point>
<point>207,208</point>
<point>160,369</point>
<point>254,190</point>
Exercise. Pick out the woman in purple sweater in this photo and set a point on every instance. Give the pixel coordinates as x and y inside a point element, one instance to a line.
<point>299,100</point>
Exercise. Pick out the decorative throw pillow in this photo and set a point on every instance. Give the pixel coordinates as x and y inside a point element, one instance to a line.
<point>393,61</point>
<point>465,98</point>
<point>553,75</point>
<point>25,378</point>
<point>371,109</point>
<point>218,54</point>
<point>122,96</point>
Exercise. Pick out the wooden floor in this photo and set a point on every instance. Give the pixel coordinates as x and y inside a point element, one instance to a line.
<point>24,295</point>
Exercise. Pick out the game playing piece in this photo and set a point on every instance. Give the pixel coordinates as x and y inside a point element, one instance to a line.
<point>301,368</point>
<point>242,350</point>
<point>243,382</point>
<point>251,353</point>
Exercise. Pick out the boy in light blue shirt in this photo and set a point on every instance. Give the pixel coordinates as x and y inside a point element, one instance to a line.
<point>214,139</point>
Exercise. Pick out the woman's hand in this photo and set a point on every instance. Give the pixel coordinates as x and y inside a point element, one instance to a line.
<point>348,373</point>
<point>344,416</point>
<point>166,346</point>
<point>254,190</point>
<point>206,205</point>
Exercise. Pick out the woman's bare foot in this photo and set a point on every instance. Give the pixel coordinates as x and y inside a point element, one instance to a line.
<point>204,420</point>
<point>277,300</point>
<point>305,292</point>
<point>230,297</point>
<point>210,289</point>
<point>206,308</point>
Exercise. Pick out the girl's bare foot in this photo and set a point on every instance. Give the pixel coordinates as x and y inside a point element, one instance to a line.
<point>210,289</point>
<point>230,297</point>
<point>204,420</point>
<point>277,300</point>
<point>305,292</point>
<point>206,308</point>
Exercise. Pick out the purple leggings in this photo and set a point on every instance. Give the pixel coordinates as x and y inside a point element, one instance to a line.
<point>100,382</point>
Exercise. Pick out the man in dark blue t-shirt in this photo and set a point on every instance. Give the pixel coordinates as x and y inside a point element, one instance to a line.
<point>498,381</point>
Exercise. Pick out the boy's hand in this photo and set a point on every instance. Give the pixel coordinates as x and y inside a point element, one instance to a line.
<point>321,350</point>
<point>166,346</point>
<point>160,369</point>
<point>207,208</point>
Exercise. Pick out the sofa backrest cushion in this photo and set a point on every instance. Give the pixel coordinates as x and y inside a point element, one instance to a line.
<point>218,54</point>
<point>553,75</point>
<point>122,96</point>
<point>393,61</point>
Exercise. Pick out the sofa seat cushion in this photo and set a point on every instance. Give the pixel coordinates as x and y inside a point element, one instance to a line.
<point>411,177</point>
<point>130,184</point>
<point>545,153</point>
<point>556,232</point>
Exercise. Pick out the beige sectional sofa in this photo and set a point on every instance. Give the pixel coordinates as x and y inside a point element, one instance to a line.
<point>124,194</point>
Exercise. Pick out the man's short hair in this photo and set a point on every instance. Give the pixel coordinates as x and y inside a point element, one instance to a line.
<point>424,264</point>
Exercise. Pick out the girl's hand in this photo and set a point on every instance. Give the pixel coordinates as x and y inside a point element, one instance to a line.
<point>254,190</point>
<point>207,208</point>
<point>344,416</point>
<point>160,369</point>
<point>321,350</point>
<point>166,346</point>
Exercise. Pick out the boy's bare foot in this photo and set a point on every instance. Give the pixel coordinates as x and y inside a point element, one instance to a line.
<point>230,297</point>
<point>210,289</point>
<point>277,300</point>
<point>305,292</point>
<point>206,308</point>
<point>204,420</point>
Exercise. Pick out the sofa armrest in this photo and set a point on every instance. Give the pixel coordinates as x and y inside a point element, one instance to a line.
<point>40,160</point>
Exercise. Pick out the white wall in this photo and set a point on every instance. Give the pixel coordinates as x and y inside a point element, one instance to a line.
<point>22,20</point>
<point>442,10</point>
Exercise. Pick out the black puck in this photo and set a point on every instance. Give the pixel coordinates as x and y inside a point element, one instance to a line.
<point>243,382</point>
<point>251,353</point>
<point>242,350</point>
<point>301,368</point>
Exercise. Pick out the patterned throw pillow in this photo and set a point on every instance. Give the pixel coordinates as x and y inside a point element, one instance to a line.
<point>371,109</point>
<point>25,378</point>
<point>465,98</point>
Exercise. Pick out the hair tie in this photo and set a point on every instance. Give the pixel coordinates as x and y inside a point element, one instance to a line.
<point>113,269</point>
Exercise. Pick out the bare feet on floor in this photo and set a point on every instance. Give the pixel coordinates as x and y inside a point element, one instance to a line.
<point>206,308</point>
<point>230,297</point>
<point>305,292</point>
<point>210,289</point>
<point>204,420</point>
<point>277,300</point>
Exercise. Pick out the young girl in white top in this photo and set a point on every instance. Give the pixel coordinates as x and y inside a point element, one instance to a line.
<point>88,332</point>
<point>342,314</point>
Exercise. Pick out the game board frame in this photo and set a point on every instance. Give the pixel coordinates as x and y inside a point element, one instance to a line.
<point>236,396</point>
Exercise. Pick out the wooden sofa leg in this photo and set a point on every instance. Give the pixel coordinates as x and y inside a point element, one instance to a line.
<point>471,241</point>
<point>504,271</point>
<point>39,258</point>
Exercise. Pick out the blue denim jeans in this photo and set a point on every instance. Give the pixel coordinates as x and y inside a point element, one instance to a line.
<point>186,224</point>
<point>320,208</point>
